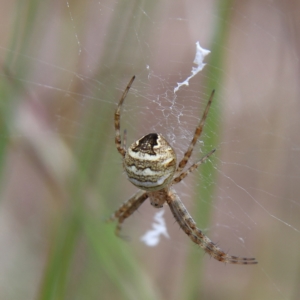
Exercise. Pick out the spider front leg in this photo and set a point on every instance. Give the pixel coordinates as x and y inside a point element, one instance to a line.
<point>189,226</point>
<point>127,209</point>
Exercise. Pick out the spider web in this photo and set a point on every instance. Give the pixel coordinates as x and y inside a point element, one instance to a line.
<point>67,75</point>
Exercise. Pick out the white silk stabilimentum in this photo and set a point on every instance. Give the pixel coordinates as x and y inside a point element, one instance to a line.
<point>152,237</point>
<point>200,55</point>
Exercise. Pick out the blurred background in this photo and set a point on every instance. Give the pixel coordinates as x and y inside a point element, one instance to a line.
<point>64,65</point>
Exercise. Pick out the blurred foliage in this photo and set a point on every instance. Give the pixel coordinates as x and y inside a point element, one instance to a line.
<point>58,164</point>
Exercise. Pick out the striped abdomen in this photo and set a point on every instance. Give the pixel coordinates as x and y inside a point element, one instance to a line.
<point>150,162</point>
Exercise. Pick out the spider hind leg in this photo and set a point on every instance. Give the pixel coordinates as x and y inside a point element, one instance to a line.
<point>120,147</point>
<point>197,134</point>
<point>193,167</point>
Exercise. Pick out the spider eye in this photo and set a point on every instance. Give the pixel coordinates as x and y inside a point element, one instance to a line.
<point>150,162</point>
<point>156,205</point>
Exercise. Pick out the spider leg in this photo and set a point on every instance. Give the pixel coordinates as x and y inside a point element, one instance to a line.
<point>189,226</point>
<point>127,209</point>
<point>118,142</point>
<point>197,133</point>
<point>192,167</point>
<point>124,138</point>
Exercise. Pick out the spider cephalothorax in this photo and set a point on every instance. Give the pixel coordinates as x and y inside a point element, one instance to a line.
<point>151,165</point>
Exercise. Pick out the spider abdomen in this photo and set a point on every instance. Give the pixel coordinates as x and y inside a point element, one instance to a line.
<point>150,162</point>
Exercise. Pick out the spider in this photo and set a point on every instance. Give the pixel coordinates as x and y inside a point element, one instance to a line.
<point>150,164</point>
